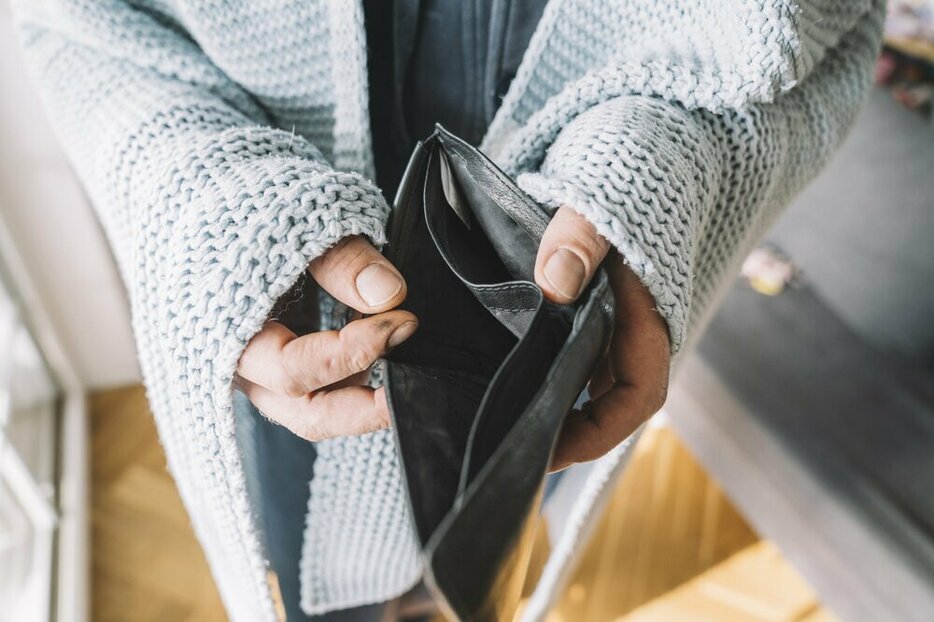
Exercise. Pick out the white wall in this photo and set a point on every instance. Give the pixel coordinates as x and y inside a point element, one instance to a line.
<point>55,231</point>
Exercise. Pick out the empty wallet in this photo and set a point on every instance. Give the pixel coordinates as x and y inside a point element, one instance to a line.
<point>478,395</point>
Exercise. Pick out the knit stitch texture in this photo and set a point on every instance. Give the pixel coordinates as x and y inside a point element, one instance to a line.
<point>226,144</point>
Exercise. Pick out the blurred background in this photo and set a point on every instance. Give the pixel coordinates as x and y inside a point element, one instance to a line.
<point>790,476</point>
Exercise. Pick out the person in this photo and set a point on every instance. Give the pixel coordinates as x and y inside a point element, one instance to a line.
<point>231,149</point>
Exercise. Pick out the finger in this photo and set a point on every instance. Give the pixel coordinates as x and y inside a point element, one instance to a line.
<point>293,366</point>
<point>568,256</point>
<point>325,414</point>
<point>600,426</point>
<point>355,273</point>
<point>640,350</point>
<point>602,379</point>
<point>638,370</point>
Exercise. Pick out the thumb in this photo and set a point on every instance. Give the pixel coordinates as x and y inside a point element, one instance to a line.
<point>568,256</point>
<point>355,273</point>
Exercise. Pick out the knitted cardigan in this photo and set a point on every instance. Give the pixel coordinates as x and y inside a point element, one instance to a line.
<point>225,144</point>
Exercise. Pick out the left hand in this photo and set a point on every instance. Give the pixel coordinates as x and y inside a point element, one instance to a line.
<point>631,380</point>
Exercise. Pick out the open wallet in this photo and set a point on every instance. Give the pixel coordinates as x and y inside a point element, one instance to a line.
<point>479,394</point>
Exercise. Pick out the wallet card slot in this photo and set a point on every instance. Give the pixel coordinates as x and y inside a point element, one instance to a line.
<point>454,327</point>
<point>541,326</point>
<point>436,379</point>
<point>433,349</point>
<point>479,393</point>
<point>513,244</point>
<point>471,256</point>
<point>440,407</point>
<point>518,380</point>
<point>485,184</point>
<point>467,250</point>
<point>502,500</point>
<point>513,304</point>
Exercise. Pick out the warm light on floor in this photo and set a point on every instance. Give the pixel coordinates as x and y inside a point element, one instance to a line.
<point>666,524</point>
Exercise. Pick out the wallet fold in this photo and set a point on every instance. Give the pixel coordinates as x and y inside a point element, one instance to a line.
<point>479,394</point>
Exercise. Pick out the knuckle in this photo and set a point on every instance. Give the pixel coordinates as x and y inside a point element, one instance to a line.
<point>580,228</point>
<point>291,387</point>
<point>331,365</point>
<point>597,241</point>
<point>359,348</point>
<point>310,431</point>
<point>351,256</point>
<point>335,252</point>
<point>591,243</point>
<point>360,360</point>
<point>580,236</point>
<point>342,261</point>
<point>293,376</point>
<point>310,425</point>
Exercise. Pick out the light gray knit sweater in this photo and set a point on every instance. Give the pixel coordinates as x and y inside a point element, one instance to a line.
<point>225,144</point>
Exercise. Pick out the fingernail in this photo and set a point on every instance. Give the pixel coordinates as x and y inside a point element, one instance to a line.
<point>402,333</point>
<point>564,271</point>
<point>376,284</point>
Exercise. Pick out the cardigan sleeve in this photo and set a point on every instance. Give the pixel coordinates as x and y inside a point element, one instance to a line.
<point>682,193</point>
<point>212,214</point>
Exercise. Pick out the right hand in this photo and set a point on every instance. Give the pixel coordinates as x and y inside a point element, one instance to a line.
<point>314,384</point>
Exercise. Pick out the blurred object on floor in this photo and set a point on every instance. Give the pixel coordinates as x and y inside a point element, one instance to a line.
<point>769,271</point>
<point>146,564</point>
<point>754,585</point>
<point>906,65</point>
<point>910,19</point>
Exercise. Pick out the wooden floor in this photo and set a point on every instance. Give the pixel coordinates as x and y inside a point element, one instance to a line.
<point>146,564</point>
<point>734,591</point>
<point>667,523</point>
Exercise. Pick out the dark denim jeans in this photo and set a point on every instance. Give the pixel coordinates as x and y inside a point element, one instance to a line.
<point>278,466</point>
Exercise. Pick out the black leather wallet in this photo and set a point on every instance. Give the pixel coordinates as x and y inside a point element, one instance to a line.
<point>479,394</point>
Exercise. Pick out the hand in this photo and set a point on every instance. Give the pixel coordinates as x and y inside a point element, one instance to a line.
<point>631,380</point>
<point>314,384</point>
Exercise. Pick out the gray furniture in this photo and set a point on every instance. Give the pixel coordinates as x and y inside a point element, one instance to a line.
<point>825,443</point>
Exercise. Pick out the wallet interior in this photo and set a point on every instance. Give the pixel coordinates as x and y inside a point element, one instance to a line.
<point>486,339</point>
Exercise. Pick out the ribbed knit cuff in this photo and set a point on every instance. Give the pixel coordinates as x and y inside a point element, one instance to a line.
<point>278,243</point>
<point>226,220</point>
<point>639,170</point>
